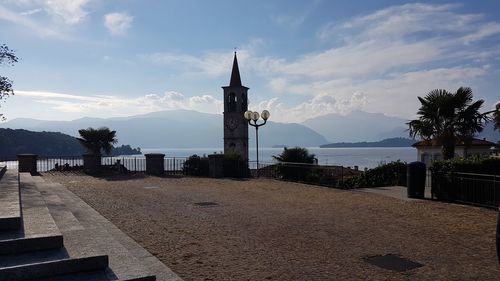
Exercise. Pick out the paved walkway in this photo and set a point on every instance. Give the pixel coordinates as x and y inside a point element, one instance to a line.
<point>222,229</point>
<point>86,232</point>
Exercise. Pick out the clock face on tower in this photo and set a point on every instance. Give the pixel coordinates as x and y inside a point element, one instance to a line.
<point>231,123</point>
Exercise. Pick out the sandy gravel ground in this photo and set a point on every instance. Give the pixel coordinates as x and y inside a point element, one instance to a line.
<point>272,230</point>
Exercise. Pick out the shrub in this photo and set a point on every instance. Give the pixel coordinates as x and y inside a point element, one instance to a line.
<point>295,164</point>
<point>352,182</point>
<point>478,165</point>
<point>393,173</point>
<point>445,185</point>
<point>196,166</point>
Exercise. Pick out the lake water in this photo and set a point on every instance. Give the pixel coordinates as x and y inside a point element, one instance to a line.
<point>368,157</point>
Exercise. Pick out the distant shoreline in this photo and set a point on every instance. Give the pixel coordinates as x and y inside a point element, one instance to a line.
<point>390,142</point>
<point>252,148</point>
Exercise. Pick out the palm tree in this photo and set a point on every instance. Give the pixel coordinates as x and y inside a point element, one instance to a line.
<point>299,171</point>
<point>495,116</point>
<point>295,155</point>
<point>447,117</point>
<point>97,140</point>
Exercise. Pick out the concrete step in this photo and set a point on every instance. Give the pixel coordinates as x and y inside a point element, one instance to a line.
<point>29,244</point>
<point>60,254</point>
<point>17,260</point>
<point>54,268</point>
<point>128,260</point>
<point>34,251</point>
<point>38,230</point>
<point>33,257</point>
<point>10,208</point>
<point>101,275</point>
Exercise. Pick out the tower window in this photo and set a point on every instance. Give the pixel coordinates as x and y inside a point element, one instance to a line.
<point>231,102</point>
<point>244,104</point>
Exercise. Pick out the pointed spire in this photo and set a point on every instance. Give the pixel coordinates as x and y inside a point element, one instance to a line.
<point>235,74</point>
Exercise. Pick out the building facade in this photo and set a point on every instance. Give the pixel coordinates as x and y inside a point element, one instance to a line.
<point>235,124</point>
<point>428,151</point>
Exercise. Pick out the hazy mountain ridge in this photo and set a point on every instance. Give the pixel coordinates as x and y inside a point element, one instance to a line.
<point>390,142</point>
<point>356,126</point>
<point>371,127</point>
<point>19,141</point>
<point>176,129</point>
<point>190,129</point>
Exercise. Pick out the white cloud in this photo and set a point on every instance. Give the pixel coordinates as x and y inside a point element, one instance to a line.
<point>69,11</point>
<point>378,62</point>
<point>317,106</point>
<point>106,106</point>
<point>367,58</point>
<point>387,57</point>
<point>16,18</point>
<point>487,30</point>
<point>47,18</point>
<point>391,56</point>
<point>118,23</point>
<point>295,20</point>
<point>212,64</point>
<point>395,95</point>
<point>30,12</point>
<point>398,21</point>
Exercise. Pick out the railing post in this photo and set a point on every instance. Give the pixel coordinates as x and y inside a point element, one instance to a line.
<point>27,163</point>
<point>175,165</point>
<point>155,164</point>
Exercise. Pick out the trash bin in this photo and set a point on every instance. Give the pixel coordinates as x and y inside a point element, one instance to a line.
<point>416,180</point>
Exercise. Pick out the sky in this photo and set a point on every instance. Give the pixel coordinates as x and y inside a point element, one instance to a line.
<point>300,59</point>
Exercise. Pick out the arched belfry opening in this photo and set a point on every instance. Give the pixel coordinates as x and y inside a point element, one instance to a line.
<point>235,105</point>
<point>232,101</point>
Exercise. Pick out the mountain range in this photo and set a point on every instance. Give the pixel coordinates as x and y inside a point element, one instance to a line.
<point>190,129</point>
<point>390,142</point>
<point>175,129</point>
<point>359,126</point>
<point>45,144</point>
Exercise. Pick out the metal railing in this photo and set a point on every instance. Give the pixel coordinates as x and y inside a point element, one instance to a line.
<point>172,165</point>
<point>468,188</point>
<point>125,164</point>
<point>9,163</point>
<point>304,172</point>
<point>59,163</point>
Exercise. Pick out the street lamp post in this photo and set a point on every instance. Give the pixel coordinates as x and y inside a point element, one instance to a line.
<point>254,116</point>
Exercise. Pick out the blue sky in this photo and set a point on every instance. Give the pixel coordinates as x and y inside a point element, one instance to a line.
<point>301,59</point>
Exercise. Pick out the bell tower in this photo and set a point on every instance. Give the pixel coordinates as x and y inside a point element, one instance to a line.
<point>235,124</point>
